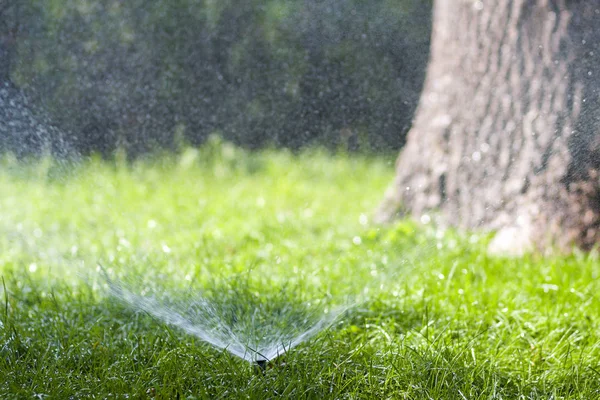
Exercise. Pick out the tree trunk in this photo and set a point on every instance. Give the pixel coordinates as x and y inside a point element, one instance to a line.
<point>507,132</point>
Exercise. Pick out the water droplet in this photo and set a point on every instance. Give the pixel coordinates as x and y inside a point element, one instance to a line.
<point>363,219</point>
<point>356,240</point>
<point>425,219</point>
<point>281,217</point>
<point>549,287</point>
<point>307,213</point>
<point>32,267</point>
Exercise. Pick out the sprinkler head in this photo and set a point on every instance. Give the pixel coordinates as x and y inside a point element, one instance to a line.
<point>261,366</point>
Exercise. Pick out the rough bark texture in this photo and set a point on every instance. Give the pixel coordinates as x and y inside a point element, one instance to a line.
<point>507,133</point>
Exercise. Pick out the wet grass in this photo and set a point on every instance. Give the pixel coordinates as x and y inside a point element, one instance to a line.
<point>438,318</point>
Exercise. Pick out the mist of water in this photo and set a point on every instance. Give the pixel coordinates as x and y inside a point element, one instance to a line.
<point>247,327</point>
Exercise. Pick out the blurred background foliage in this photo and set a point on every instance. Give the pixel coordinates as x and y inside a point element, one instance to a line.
<point>144,75</point>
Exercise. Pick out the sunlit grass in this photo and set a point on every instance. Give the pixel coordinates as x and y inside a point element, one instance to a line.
<point>436,318</point>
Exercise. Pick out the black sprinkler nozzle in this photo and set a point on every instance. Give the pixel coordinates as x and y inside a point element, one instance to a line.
<point>261,366</point>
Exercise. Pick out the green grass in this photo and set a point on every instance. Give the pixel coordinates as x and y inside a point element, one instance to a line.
<point>438,318</point>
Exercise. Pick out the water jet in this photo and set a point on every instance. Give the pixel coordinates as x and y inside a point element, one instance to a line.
<point>257,329</point>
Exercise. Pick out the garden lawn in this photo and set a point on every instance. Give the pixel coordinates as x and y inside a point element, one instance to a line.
<point>434,316</point>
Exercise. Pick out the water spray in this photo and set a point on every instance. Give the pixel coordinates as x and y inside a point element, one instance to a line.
<point>254,334</point>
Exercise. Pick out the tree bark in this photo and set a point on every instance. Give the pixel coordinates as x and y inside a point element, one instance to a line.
<point>507,132</point>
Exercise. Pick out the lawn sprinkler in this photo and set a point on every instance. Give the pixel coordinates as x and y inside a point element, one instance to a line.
<point>260,366</point>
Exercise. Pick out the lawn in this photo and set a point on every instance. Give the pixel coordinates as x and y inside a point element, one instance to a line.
<point>431,315</point>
